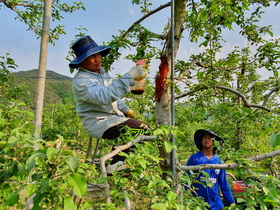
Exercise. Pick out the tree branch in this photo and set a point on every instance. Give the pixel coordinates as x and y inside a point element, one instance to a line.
<point>228,166</point>
<point>269,94</point>
<point>183,73</point>
<point>246,103</point>
<point>13,5</point>
<point>203,65</point>
<point>146,16</point>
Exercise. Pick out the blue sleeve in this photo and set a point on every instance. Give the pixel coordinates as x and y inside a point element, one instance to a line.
<point>190,162</point>
<point>88,89</point>
<point>225,188</point>
<point>122,106</point>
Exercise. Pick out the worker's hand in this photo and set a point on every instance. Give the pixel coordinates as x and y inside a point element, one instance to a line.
<point>131,114</point>
<point>142,63</point>
<point>138,72</point>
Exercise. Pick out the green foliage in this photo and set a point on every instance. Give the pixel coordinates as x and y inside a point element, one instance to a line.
<point>145,180</point>
<point>57,168</point>
<point>262,188</point>
<point>32,15</point>
<point>37,167</point>
<point>52,169</point>
<point>8,89</point>
<point>60,119</point>
<point>6,64</point>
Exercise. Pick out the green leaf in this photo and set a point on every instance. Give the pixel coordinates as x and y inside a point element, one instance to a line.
<point>272,199</point>
<point>51,153</point>
<point>31,160</point>
<point>163,184</point>
<point>200,75</point>
<point>79,184</point>
<point>171,196</point>
<point>168,146</point>
<point>13,197</point>
<point>44,185</point>
<point>159,206</point>
<point>143,163</point>
<point>12,139</point>
<point>265,190</point>
<point>73,163</point>
<point>158,132</point>
<point>3,122</point>
<point>2,143</point>
<point>204,16</point>
<point>276,74</point>
<point>240,199</point>
<point>274,140</point>
<point>69,204</point>
<point>209,183</point>
<point>186,179</point>
<point>69,152</point>
<point>37,200</point>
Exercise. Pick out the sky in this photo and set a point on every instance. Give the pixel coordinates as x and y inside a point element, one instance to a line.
<point>103,19</point>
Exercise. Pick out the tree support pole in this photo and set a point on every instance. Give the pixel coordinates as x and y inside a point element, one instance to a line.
<point>41,80</point>
<point>42,68</point>
<point>173,154</point>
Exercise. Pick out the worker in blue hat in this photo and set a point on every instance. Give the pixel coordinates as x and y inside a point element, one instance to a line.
<point>205,142</point>
<point>99,104</point>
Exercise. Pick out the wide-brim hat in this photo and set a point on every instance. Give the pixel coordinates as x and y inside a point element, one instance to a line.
<point>198,135</point>
<point>84,47</point>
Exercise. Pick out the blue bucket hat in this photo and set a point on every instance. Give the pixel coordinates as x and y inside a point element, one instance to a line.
<point>198,135</point>
<point>84,47</point>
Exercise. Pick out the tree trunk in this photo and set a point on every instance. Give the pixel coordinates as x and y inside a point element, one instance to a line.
<point>163,95</point>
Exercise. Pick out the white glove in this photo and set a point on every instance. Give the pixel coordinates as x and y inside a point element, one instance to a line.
<point>137,72</point>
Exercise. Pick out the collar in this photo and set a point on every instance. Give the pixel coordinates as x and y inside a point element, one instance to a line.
<point>88,71</point>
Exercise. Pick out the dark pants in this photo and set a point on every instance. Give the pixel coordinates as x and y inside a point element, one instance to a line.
<point>115,131</point>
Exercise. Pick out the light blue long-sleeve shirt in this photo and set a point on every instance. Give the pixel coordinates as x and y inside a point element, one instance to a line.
<point>98,100</point>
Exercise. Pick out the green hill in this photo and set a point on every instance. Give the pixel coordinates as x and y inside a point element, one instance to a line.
<point>58,88</point>
<point>49,75</point>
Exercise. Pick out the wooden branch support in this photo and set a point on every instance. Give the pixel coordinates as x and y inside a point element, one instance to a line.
<point>89,147</point>
<point>228,166</point>
<point>115,152</point>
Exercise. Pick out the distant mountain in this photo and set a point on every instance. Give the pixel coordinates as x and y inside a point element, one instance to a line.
<point>49,75</point>
<point>58,88</point>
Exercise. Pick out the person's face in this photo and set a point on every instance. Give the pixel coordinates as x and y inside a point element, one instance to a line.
<point>92,62</point>
<point>207,141</point>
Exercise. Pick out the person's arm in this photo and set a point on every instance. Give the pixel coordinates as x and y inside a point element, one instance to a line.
<point>90,90</point>
<point>122,106</point>
<point>225,188</point>
<point>101,95</point>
